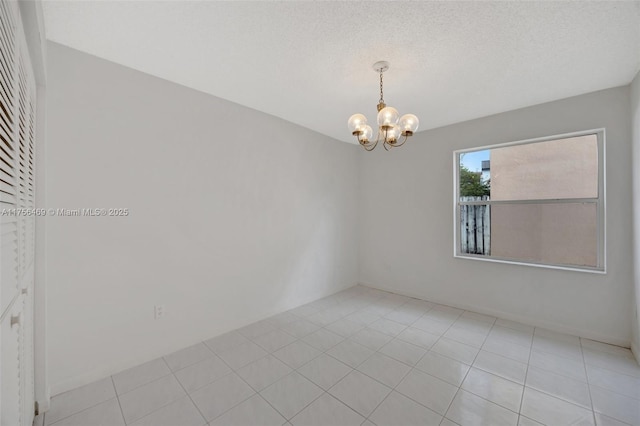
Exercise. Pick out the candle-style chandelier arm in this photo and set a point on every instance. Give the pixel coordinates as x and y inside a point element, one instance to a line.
<point>366,144</point>
<point>390,125</point>
<point>395,145</point>
<point>370,147</point>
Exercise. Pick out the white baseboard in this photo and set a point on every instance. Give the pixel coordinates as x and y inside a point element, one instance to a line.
<point>44,404</point>
<point>587,334</point>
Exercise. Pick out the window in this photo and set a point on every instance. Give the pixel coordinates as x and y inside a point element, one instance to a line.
<point>539,202</point>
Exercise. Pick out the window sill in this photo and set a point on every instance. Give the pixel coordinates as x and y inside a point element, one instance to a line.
<point>591,270</point>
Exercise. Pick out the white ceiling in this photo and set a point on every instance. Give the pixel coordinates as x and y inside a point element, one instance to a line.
<point>310,62</point>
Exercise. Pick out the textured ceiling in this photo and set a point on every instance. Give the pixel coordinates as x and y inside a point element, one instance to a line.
<point>310,62</point>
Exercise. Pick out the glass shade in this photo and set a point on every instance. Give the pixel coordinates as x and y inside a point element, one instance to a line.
<point>388,116</point>
<point>367,132</point>
<point>393,134</point>
<point>409,123</point>
<point>357,122</point>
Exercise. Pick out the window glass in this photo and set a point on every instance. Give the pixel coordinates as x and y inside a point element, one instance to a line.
<point>564,168</point>
<point>535,202</point>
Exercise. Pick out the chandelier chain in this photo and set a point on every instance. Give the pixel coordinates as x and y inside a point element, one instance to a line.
<point>381,95</point>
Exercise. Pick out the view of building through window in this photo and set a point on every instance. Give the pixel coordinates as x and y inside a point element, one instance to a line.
<point>535,202</point>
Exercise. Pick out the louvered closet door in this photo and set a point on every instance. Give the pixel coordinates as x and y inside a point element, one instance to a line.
<point>17,225</point>
<point>8,157</point>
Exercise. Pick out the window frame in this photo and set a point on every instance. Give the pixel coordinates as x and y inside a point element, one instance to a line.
<point>601,221</point>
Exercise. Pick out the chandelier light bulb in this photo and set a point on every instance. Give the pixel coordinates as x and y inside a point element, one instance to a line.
<point>367,133</point>
<point>393,134</point>
<point>409,124</point>
<point>357,122</point>
<point>388,116</point>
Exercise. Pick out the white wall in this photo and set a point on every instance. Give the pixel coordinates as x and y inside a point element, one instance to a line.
<point>406,231</point>
<point>234,215</point>
<point>635,123</point>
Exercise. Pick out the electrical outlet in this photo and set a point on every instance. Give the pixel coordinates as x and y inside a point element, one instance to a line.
<point>159,311</point>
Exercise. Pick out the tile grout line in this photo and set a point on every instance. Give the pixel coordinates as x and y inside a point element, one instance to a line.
<point>84,409</point>
<point>526,374</point>
<point>311,402</point>
<point>367,418</point>
<point>614,392</point>
<point>393,389</point>
<point>161,407</point>
<point>251,387</point>
<point>589,386</point>
<point>501,377</point>
<point>188,394</point>
<point>171,373</point>
<point>145,383</point>
<point>77,412</point>
<point>496,375</point>
<point>566,376</point>
<point>586,373</point>
<point>118,399</point>
<point>466,374</point>
<point>606,368</point>
<point>291,372</point>
<point>117,396</point>
<point>427,351</point>
<point>563,399</point>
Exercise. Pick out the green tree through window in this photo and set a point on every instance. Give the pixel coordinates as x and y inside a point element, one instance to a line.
<point>471,184</point>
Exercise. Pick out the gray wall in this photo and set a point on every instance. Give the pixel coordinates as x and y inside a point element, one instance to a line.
<point>635,122</point>
<point>234,215</point>
<point>406,226</point>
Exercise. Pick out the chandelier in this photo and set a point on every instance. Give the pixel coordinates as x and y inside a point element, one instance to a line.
<point>393,130</point>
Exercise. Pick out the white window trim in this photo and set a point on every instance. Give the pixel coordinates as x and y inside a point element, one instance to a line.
<point>601,202</point>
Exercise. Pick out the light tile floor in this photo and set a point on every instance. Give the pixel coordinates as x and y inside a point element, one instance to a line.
<point>368,357</point>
